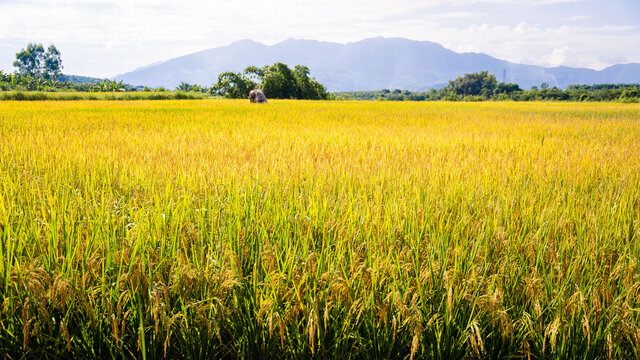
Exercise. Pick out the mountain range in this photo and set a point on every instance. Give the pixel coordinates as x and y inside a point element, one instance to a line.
<point>370,64</point>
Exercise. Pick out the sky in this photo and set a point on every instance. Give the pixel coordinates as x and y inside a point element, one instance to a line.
<point>104,38</point>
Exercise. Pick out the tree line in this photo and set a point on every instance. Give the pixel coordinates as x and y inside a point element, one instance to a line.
<point>18,82</point>
<point>40,69</point>
<point>484,86</point>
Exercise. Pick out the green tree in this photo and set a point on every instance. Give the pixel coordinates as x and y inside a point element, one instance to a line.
<point>28,60</point>
<point>279,82</point>
<point>233,86</point>
<point>36,62</point>
<point>507,88</point>
<point>632,93</point>
<point>476,84</point>
<point>52,63</point>
<point>186,87</point>
<point>254,73</point>
<point>308,87</point>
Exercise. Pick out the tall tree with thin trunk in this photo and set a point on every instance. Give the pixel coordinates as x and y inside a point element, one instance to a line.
<point>35,61</point>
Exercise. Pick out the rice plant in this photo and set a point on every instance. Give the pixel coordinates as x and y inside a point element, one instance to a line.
<point>219,229</point>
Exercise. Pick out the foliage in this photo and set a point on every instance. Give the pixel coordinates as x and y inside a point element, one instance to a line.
<point>28,83</point>
<point>221,230</point>
<point>17,82</point>
<point>35,62</point>
<point>76,95</point>
<point>277,81</point>
<point>506,89</point>
<point>17,87</point>
<point>481,86</point>
<point>233,86</point>
<point>476,84</point>
<point>76,79</point>
<point>186,87</point>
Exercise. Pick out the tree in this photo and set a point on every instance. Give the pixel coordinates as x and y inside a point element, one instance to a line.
<point>507,88</point>
<point>308,87</point>
<point>34,61</point>
<point>476,84</point>
<point>52,63</point>
<point>254,73</point>
<point>186,87</point>
<point>279,82</point>
<point>233,86</point>
<point>28,60</point>
<point>108,85</point>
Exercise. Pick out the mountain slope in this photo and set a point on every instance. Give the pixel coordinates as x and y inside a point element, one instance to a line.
<point>78,79</point>
<point>370,64</point>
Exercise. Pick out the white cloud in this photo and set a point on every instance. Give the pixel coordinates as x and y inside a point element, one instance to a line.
<point>525,28</point>
<point>578,46</point>
<point>562,56</point>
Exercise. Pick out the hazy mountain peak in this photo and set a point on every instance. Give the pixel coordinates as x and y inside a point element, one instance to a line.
<point>245,42</point>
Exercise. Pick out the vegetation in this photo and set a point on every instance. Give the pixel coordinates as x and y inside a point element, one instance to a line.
<point>277,81</point>
<point>40,71</point>
<point>17,87</point>
<point>140,95</point>
<point>77,79</point>
<point>216,229</point>
<point>64,83</point>
<point>34,61</point>
<point>484,86</point>
<point>478,84</point>
<point>186,87</point>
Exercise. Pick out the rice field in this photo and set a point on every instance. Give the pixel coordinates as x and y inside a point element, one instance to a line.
<point>207,229</point>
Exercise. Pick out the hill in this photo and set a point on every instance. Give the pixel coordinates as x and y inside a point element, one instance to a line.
<point>370,64</point>
<point>78,79</point>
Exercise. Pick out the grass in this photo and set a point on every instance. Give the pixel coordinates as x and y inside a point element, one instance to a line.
<point>72,96</point>
<point>220,229</point>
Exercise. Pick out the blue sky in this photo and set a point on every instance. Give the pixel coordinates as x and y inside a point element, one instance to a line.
<point>108,37</point>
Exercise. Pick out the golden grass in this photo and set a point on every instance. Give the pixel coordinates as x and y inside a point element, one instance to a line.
<point>300,229</point>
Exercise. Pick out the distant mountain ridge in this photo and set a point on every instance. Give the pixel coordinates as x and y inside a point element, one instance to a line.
<point>78,79</point>
<point>370,64</point>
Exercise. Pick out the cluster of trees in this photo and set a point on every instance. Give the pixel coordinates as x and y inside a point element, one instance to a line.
<point>484,86</point>
<point>476,84</point>
<point>26,83</point>
<point>29,82</point>
<point>186,87</point>
<point>277,81</point>
<point>38,69</point>
<point>603,92</point>
<point>34,61</point>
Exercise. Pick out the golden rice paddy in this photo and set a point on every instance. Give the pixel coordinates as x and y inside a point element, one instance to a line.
<point>369,230</point>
